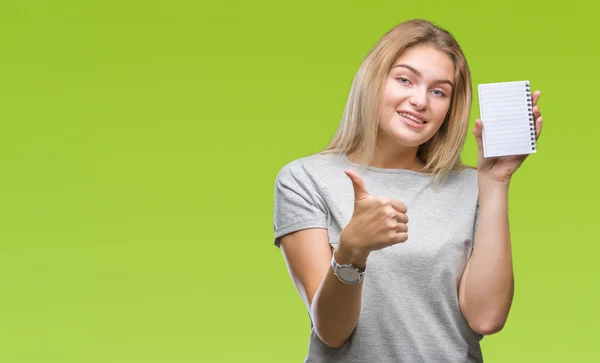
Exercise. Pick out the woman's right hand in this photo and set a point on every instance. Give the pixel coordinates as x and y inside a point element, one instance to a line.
<point>376,223</point>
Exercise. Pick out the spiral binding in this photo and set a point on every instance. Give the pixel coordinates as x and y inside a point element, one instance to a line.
<point>531,128</point>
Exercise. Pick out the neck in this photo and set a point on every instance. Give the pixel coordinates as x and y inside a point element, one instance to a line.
<point>405,158</point>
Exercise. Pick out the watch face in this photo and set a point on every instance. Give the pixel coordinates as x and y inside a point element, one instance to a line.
<point>348,274</point>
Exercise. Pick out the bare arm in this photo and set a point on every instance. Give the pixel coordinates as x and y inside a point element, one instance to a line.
<point>487,285</point>
<point>334,306</point>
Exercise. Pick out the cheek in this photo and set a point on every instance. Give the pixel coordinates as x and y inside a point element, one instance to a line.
<point>440,110</point>
<point>389,101</point>
<point>392,92</point>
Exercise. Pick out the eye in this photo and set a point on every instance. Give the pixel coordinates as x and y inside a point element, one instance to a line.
<point>438,93</point>
<point>403,80</point>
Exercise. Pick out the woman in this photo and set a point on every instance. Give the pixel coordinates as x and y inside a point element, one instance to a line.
<point>381,288</point>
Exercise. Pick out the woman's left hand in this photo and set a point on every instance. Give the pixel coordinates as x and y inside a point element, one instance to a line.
<point>501,169</point>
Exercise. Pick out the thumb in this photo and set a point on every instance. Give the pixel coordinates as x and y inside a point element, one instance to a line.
<point>360,192</point>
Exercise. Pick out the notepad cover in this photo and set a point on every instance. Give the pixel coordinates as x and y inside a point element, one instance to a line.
<point>507,114</point>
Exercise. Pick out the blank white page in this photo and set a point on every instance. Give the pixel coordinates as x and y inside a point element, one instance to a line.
<point>506,112</point>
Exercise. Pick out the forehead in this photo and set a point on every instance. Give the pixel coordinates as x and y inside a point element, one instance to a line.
<point>428,60</point>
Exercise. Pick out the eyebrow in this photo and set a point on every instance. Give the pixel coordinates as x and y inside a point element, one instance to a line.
<point>420,74</point>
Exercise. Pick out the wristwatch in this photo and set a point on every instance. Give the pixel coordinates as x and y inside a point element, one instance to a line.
<point>347,273</point>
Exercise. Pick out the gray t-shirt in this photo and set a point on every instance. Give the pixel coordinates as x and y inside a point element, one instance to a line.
<point>410,311</point>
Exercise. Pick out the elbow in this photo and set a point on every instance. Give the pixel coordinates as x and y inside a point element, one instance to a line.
<point>485,322</point>
<point>487,327</point>
<point>331,339</point>
<point>333,343</point>
<point>331,336</point>
<point>329,333</point>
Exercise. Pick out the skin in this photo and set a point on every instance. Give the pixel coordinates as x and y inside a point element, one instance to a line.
<point>419,83</point>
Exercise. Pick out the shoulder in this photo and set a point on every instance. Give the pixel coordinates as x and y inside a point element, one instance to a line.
<point>468,173</point>
<point>311,166</point>
<point>464,177</point>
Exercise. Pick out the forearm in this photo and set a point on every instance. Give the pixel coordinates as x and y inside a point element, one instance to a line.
<point>336,306</point>
<point>490,281</point>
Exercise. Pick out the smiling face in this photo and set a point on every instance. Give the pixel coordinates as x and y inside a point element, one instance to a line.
<point>416,98</point>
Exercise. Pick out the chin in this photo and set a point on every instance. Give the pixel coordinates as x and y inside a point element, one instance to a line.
<point>396,133</point>
<point>409,139</point>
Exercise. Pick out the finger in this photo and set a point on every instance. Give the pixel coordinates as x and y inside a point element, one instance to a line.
<point>538,127</point>
<point>478,132</point>
<point>402,227</point>
<point>401,237</point>
<point>360,192</point>
<point>401,218</point>
<point>398,205</point>
<point>536,112</point>
<point>395,238</point>
<point>535,97</point>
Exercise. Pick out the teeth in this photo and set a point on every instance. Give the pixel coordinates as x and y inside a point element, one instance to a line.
<point>409,116</point>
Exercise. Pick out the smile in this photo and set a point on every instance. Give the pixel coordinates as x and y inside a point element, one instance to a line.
<point>412,117</point>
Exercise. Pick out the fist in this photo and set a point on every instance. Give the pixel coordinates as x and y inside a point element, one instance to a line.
<point>376,223</point>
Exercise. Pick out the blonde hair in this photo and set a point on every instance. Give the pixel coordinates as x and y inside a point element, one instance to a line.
<point>357,131</point>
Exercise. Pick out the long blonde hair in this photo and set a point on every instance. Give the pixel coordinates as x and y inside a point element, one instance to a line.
<point>357,130</point>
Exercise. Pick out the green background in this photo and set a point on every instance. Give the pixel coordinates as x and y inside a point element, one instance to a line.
<point>140,141</point>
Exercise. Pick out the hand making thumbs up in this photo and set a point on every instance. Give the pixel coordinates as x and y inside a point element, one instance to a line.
<point>376,222</point>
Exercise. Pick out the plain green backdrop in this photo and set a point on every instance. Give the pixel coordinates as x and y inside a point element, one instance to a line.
<point>140,141</point>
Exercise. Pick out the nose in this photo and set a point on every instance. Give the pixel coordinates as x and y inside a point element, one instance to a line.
<point>419,99</point>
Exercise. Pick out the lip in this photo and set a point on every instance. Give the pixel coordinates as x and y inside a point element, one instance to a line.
<point>414,114</point>
<point>410,123</point>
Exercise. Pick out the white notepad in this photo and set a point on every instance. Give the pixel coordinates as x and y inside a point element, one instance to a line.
<point>507,114</point>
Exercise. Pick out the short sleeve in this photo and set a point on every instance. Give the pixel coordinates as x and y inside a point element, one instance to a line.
<point>475,215</point>
<point>297,203</point>
<point>476,222</point>
<point>475,225</point>
<point>475,205</point>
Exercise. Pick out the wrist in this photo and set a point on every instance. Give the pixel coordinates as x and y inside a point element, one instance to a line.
<point>345,254</point>
<point>494,181</point>
<point>492,194</point>
<point>490,185</point>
